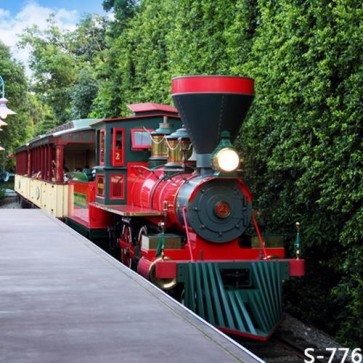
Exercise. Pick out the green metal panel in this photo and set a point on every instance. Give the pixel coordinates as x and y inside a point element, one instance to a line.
<point>209,307</point>
<point>254,307</point>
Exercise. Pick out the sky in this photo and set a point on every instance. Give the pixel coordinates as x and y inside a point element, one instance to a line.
<point>16,15</point>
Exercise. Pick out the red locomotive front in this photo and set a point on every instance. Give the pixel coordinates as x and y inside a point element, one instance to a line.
<point>200,243</point>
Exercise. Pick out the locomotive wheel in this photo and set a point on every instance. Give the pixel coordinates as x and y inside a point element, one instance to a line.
<point>126,245</point>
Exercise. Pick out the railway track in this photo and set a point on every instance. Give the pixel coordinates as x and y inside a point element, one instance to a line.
<point>281,349</point>
<point>274,350</point>
<point>286,347</point>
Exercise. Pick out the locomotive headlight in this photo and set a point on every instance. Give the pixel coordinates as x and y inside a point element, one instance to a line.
<point>226,160</point>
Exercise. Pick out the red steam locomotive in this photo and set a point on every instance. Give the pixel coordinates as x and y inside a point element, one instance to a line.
<point>165,194</point>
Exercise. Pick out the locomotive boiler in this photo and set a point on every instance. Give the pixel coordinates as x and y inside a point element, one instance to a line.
<point>168,198</point>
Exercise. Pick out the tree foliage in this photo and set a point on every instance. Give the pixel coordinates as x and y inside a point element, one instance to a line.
<point>19,100</point>
<point>123,10</point>
<point>63,64</point>
<point>306,137</point>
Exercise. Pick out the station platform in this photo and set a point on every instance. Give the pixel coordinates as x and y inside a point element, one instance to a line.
<point>63,299</point>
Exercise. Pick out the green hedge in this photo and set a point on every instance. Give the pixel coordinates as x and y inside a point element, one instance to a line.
<point>302,141</point>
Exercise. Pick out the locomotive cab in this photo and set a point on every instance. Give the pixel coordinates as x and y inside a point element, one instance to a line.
<point>123,147</point>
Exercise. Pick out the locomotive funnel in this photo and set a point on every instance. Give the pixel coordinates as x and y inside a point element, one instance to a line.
<point>209,105</point>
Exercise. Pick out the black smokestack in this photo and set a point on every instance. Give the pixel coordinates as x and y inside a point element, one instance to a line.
<point>209,105</point>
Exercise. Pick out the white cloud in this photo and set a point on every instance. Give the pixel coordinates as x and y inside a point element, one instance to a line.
<point>32,14</point>
<point>4,12</point>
